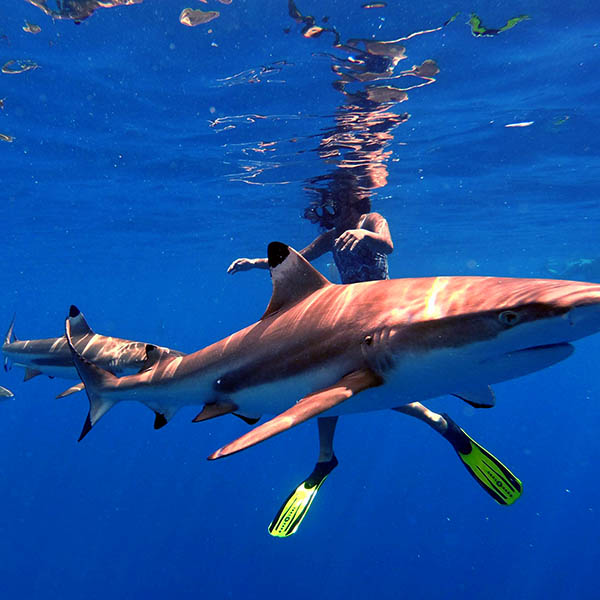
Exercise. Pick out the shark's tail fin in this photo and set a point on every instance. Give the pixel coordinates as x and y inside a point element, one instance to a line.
<point>9,338</point>
<point>97,381</point>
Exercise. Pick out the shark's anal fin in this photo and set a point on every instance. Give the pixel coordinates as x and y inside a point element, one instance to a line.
<point>483,397</point>
<point>293,277</point>
<point>31,373</point>
<point>306,408</point>
<point>213,410</point>
<point>72,390</point>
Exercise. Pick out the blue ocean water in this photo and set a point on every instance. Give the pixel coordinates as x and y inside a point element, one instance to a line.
<point>148,155</point>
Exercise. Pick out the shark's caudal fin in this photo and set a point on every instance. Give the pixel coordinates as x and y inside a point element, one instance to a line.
<point>93,377</point>
<point>293,277</point>
<point>8,338</point>
<point>308,407</point>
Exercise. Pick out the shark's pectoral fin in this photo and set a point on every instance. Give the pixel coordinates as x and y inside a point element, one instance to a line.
<point>304,409</point>
<point>481,397</point>
<point>72,390</point>
<point>31,373</point>
<point>4,393</point>
<point>213,410</point>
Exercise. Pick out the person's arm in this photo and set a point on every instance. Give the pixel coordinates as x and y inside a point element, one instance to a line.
<point>315,249</point>
<point>245,264</point>
<point>319,246</point>
<point>374,232</point>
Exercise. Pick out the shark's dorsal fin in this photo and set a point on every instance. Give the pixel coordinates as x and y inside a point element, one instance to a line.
<point>293,277</point>
<point>153,356</point>
<point>482,397</point>
<point>79,326</point>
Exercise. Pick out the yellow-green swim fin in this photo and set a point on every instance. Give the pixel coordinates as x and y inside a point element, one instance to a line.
<point>294,509</point>
<point>494,477</point>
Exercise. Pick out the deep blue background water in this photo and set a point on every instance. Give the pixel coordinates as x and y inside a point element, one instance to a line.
<point>118,195</point>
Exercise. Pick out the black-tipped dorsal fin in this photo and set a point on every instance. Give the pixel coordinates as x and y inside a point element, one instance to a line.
<point>79,325</point>
<point>293,277</point>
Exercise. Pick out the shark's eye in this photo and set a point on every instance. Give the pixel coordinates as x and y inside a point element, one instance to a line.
<point>509,317</point>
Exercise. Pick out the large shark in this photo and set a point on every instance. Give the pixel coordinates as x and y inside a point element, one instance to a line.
<point>52,356</point>
<point>326,349</point>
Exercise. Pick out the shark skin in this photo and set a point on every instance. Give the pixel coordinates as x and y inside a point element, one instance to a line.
<point>52,356</point>
<point>326,349</point>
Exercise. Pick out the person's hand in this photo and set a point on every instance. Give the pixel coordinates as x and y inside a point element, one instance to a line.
<point>240,264</point>
<point>350,239</point>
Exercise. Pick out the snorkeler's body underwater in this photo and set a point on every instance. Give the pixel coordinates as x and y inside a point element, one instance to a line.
<point>360,242</point>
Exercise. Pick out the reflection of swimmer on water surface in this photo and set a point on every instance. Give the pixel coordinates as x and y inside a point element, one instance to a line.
<point>78,10</point>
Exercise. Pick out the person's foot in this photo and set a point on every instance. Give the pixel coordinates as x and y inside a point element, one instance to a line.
<point>494,477</point>
<point>294,509</point>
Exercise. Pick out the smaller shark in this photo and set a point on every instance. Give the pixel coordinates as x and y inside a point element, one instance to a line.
<point>52,356</point>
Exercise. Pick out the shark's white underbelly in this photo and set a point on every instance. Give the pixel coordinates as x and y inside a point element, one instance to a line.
<point>413,378</point>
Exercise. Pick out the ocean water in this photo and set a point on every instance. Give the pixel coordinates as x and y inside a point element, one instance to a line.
<point>148,155</point>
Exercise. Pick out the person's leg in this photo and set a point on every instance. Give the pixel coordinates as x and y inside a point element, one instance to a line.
<point>494,477</point>
<point>417,410</point>
<point>326,433</point>
<point>294,509</point>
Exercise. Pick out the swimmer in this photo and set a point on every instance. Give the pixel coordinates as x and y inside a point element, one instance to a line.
<point>360,242</point>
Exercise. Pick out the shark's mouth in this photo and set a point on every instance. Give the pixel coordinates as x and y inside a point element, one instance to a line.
<point>547,348</point>
<point>527,360</point>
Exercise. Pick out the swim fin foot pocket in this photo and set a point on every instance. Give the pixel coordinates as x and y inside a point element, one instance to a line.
<point>494,477</point>
<point>294,509</point>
